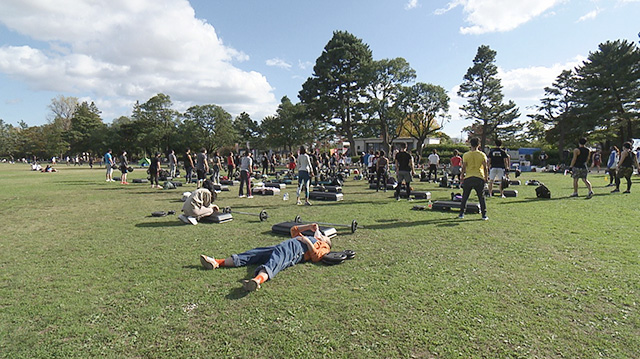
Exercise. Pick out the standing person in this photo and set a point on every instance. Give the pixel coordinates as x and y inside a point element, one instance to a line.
<point>154,171</point>
<point>579,169</point>
<point>434,161</point>
<point>315,165</point>
<point>305,171</point>
<point>246,165</point>
<point>456,165</point>
<point>498,162</point>
<point>274,259</point>
<point>216,166</point>
<point>543,159</point>
<point>231,166</point>
<point>272,162</point>
<point>382,171</point>
<point>124,164</point>
<point>292,164</point>
<point>596,161</point>
<point>628,160</point>
<point>404,170</point>
<point>109,163</point>
<point>612,165</point>
<point>202,166</point>
<point>265,163</point>
<point>188,165</point>
<point>173,163</point>
<point>475,170</point>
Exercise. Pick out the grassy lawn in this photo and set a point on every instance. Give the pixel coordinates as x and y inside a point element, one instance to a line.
<point>86,272</point>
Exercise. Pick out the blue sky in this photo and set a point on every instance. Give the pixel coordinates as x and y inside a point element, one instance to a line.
<point>246,54</point>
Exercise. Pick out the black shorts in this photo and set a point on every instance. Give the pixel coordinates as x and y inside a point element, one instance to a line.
<point>201,174</point>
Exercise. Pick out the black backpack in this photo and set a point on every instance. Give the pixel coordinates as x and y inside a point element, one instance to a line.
<point>543,192</point>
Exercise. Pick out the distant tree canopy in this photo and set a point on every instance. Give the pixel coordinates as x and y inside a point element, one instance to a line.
<point>352,95</point>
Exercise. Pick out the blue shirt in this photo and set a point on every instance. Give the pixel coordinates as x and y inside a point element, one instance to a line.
<point>107,158</point>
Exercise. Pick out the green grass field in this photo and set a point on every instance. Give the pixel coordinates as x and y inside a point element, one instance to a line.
<point>86,272</point>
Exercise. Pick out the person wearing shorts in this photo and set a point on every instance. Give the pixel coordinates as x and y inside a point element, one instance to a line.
<point>628,160</point>
<point>498,162</point>
<point>404,170</point>
<point>124,164</point>
<point>579,169</point>
<point>108,161</point>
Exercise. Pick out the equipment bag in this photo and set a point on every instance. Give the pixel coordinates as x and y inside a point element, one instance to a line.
<point>543,192</point>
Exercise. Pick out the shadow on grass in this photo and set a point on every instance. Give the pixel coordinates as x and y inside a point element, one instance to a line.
<point>440,222</point>
<point>536,199</point>
<point>173,223</point>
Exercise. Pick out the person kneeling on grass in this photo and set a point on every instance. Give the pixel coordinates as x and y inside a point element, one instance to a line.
<point>273,259</point>
<point>199,204</point>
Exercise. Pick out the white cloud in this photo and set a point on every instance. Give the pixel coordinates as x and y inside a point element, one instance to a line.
<point>590,15</point>
<point>498,15</point>
<point>303,65</point>
<point>120,51</point>
<point>412,4</point>
<point>276,62</point>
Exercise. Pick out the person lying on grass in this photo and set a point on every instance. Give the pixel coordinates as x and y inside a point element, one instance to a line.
<point>273,259</point>
<point>199,204</point>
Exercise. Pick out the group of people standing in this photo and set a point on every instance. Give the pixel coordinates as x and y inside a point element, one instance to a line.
<point>110,164</point>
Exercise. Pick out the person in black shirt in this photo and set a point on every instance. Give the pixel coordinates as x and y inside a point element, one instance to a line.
<point>404,170</point>
<point>628,160</point>
<point>124,165</point>
<point>154,171</point>
<point>188,165</point>
<point>579,168</point>
<point>498,163</point>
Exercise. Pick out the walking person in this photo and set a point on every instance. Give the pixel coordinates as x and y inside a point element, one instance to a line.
<point>273,259</point>
<point>628,160</point>
<point>246,166</point>
<point>188,165</point>
<point>202,167</point>
<point>382,171</point>
<point>109,164</point>
<point>173,163</point>
<point>305,171</point>
<point>612,165</point>
<point>404,170</point>
<point>474,176</point>
<point>154,171</point>
<point>124,165</point>
<point>498,163</point>
<point>579,169</point>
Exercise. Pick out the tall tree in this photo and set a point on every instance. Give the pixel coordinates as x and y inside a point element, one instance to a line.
<point>424,108</point>
<point>608,86</point>
<point>559,110</point>
<point>248,130</point>
<point>290,127</point>
<point>482,88</point>
<point>215,125</point>
<point>386,81</point>
<point>62,110</point>
<point>338,83</point>
<point>86,131</point>
<point>158,123</point>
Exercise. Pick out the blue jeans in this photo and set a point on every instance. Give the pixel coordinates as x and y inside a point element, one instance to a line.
<point>477,184</point>
<point>304,180</point>
<point>273,259</point>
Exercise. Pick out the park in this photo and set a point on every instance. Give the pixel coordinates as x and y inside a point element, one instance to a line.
<point>88,272</point>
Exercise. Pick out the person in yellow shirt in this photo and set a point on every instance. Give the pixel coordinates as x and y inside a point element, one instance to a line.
<point>475,172</point>
<point>273,259</point>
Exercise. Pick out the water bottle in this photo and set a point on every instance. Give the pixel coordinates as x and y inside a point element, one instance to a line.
<point>285,197</point>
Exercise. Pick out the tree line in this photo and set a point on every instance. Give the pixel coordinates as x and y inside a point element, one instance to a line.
<point>350,95</point>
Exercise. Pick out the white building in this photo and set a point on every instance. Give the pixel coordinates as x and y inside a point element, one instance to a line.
<point>375,144</point>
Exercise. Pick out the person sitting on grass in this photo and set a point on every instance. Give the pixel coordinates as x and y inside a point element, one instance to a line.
<point>199,204</point>
<point>273,259</point>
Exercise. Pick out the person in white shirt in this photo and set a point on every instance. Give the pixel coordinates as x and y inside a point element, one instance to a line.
<point>305,171</point>
<point>246,166</point>
<point>434,161</point>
